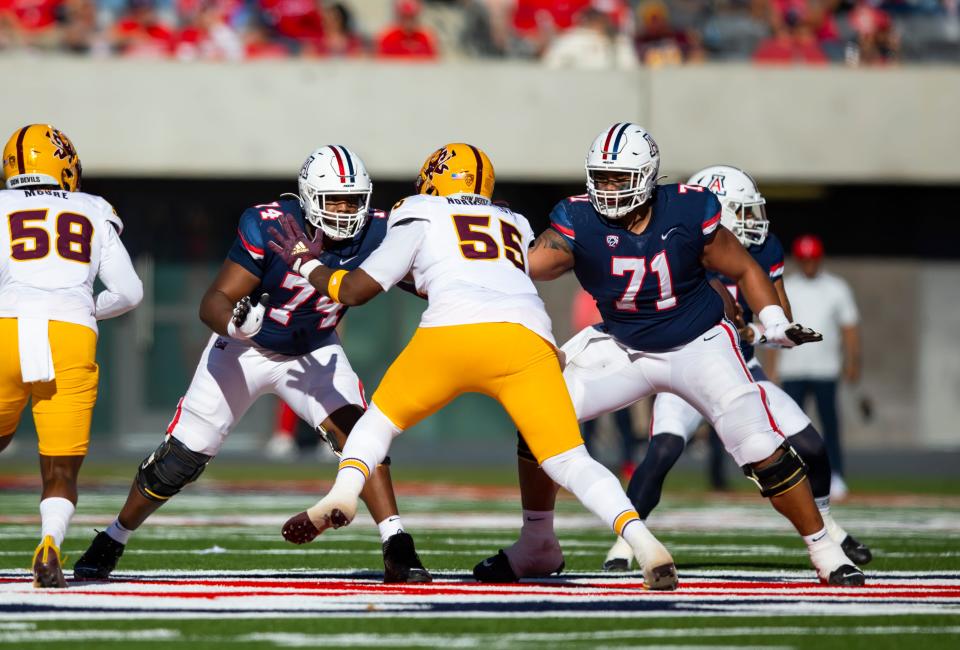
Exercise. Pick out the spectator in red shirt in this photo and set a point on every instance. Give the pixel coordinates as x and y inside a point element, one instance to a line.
<point>29,22</point>
<point>407,39</point>
<point>259,42</point>
<point>297,21</point>
<point>206,34</point>
<point>339,36</point>
<point>791,42</point>
<point>141,33</point>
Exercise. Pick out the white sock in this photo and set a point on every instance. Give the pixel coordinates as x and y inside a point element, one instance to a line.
<point>390,527</point>
<point>55,515</point>
<point>825,554</point>
<point>537,523</point>
<point>837,533</point>
<point>594,485</point>
<point>118,533</point>
<point>368,442</point>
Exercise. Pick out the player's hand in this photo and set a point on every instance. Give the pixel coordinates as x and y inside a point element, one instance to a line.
<point>293,245</point>
<point>789,335</point>
<point>247,318</point>
<point>750,334</point>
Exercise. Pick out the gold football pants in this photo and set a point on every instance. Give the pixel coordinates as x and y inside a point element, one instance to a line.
<point>62,408</point>
<point>506,361</point>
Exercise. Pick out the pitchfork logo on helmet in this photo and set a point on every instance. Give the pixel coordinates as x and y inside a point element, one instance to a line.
<point>743,207</point>
<point>39,154</point>
<point>456,168</point>
<point>334,173</point>
<point>624,147</point>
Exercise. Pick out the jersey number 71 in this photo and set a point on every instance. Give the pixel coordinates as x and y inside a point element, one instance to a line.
<point>636,269</point>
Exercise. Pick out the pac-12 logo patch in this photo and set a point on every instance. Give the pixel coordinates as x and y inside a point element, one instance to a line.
<point>613,240</point>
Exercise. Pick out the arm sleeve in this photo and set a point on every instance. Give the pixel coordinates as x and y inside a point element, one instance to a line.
<point>847,313</point>
<point>562,222</point>
<point>394,258</point>
<point>124,289</point>
<point>248,248</point>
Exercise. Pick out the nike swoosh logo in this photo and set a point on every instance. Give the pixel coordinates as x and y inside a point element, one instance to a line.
<point>667,234</point>
<point>535,518</point>
<point>342,262</point>
<point>488,562</point>
<point>707,338</point>
<point>818,538</point>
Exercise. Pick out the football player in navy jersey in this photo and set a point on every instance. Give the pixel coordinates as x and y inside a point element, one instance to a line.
<point>273,333</point>
<point>674,421</point>
<point>643,252</point>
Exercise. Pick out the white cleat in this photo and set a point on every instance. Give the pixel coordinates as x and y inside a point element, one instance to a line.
<point>619,557</point>
<point>659,571</point>
<point>332,511</point>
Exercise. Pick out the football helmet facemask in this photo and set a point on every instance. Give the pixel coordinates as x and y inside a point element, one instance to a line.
<point>744,210</point>
<point>334,173</point>
<point>39,154</point>
<point>624,147</point>
<point>456,168</point>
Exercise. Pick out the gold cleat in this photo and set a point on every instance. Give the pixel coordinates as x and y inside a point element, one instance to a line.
<point>47,573</point>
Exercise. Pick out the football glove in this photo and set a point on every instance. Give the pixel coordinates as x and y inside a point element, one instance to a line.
<point>247,318</point>
<point>779,332</point>
<point>294,247</point>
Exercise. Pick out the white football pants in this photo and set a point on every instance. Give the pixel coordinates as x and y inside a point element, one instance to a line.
<point>604,375</point>
<point>232,374</point>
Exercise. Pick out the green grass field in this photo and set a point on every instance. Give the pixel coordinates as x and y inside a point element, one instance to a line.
<point>189,576</point>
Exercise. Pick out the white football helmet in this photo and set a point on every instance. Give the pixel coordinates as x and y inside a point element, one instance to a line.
<point>624,147</point>
<point>744,212</point>
<point>331,171</point>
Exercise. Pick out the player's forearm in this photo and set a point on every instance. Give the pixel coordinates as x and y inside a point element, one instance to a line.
<point>757,289</point>
<point>347,288</point>
<point>851,352</point>
<point>216,310</point>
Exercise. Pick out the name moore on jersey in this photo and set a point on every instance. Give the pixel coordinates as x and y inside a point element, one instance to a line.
<point>298,318</point>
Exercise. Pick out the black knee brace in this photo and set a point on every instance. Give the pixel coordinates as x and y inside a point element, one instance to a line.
<point>170,467</point>
<point>523,451</point>
<point>780,476</point>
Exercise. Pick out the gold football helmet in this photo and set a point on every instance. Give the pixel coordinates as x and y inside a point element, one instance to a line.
<point>456,168</point>
<point>39,154</point>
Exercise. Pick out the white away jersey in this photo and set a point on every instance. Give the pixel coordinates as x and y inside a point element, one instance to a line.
<point>53,244</point>
<point>467,255</point>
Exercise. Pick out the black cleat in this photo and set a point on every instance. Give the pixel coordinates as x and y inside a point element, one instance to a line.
<point>858,553</point>
<point>847,576</point>
<point>495,569</point>
<point>401,562</point>
<point>616,564</point>
<point>100,559</point>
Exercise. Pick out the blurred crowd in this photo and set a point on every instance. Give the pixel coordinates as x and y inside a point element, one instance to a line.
<point>587,34</point>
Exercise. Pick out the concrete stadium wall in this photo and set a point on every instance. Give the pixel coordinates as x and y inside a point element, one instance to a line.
<point>138,118</point>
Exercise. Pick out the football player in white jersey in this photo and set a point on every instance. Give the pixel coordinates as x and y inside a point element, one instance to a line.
<point>55,242</point>
<point>485,330</point>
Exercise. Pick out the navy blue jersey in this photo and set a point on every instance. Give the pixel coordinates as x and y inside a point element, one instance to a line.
<point>651,289</point>
<point>769,255</point>
<point>298,319</point>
